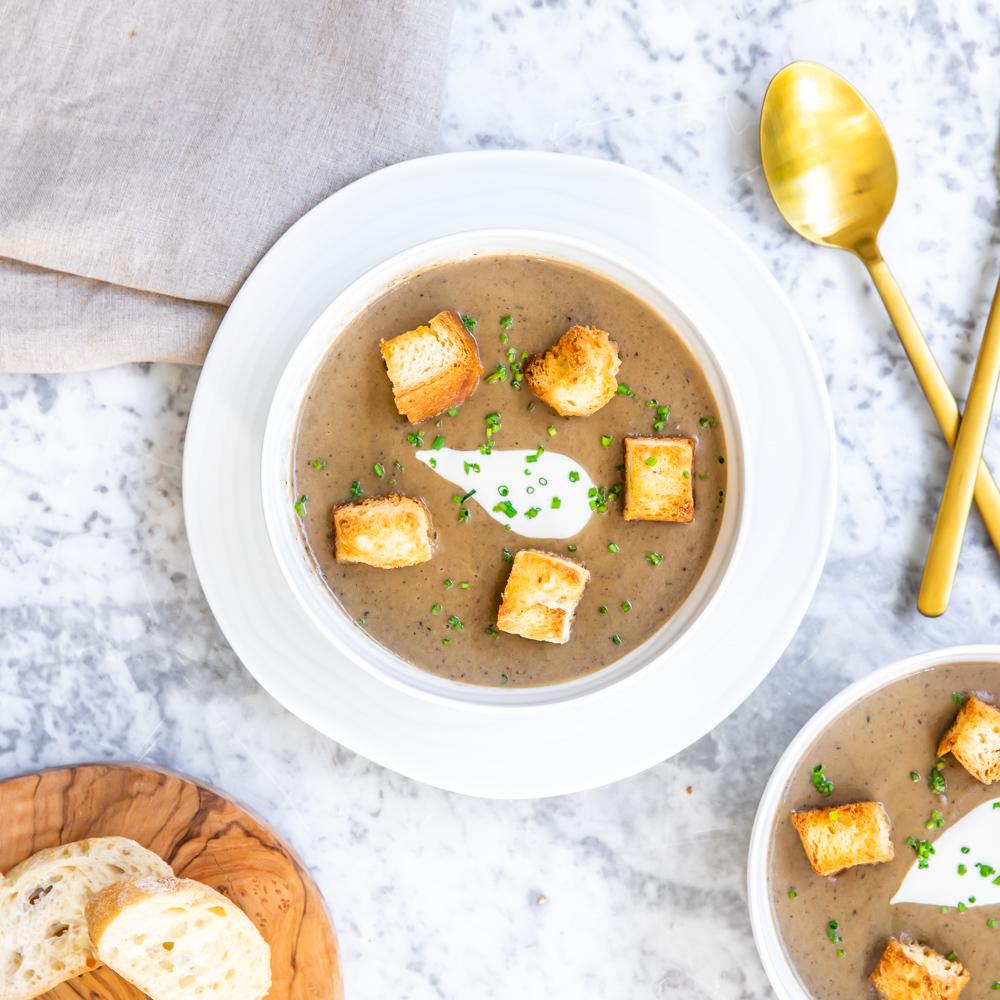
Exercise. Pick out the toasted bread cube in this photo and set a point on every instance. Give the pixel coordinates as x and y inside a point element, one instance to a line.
<point>974,740</point>
<point>541,596</point>
<point>432,367</point>
<point>386,532</point>
<point>845,836</point>
<point>908,970</point>
<point>576,376</point>
<point>659,479</point>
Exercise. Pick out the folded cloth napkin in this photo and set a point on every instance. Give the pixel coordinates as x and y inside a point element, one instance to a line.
<point>152,150</point>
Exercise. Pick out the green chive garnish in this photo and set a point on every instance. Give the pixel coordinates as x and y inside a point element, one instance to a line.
<point>612,548</point>
<point>449,582</point>
<point>379,469</point>
<point>571,548</point>
<point>469,323</point>
<point>651,460</point>
<point>356,489</point>
<point>708,422</point>
<point>626,606</point>
<point>452,411</point>
<point>821,782</point>
<point>318,464</point>
<point>507,321</point>
<point>654,558</point>
<point>455,622</point>
<point>624,390</point>
<point>556,503</point>
<point>551,431</point>
<point>574,476</point>
<point>616,639</point>
<point>436,609</point>
<point>300,505</point>
<point>605,440</point>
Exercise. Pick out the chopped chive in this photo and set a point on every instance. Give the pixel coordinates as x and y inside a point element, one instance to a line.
<point>792,894</point>
<point>508,556</point>
<point>651,460</point>
<point>300,505</point>
<point>602,610</point>
<point>318,464</point>
<point>533,512</point>
<point>624,390</point>
<point>531,406</point>
<point>356,489</point>
<point>455,622</point>
<point>503,490</point>
<point>571,548</point>
<point>464,585</point>
<point>936,780</point>
<point>379,469</point>
<point>657,425</point>
<point>626,606</point>
<point>446,642</point>
<point>951,956</point>
<point>542,481</point>
<point>505,507</point>
<point>708,422</point>
<point>436,609</point>
<point>556,503</point>
<point>432,462</point>
<point>438,443</point>
<point>833,933</point>
<point>449,582</point>
<point>958,698</point>
<point>654,558</point>
<point>612,548</point>
<point>991,922</point>
<point>504,339</point>
<point>471,467</point>
<point>605,440</point>
<point>504,678</point>
<point>464,514</point>
<point>551,431</point>
<point>416,438</point>
<point>965,850</point>
<point>923,849</point>
<point>821,782</point>
<point>452,411</point>
<point>616,639</point>
<point>500,375</point>
<point>686,473</point>
<point>574,476</point>
<point>469,323</point>
<point>507,321</point>
<point>466,496</point>
<point>703,476</point>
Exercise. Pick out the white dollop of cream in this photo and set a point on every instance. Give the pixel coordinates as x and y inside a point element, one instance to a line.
<point>940,884</point>
<point>540,494</point>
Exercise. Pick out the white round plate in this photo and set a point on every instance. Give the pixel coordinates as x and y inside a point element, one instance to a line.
<point>767,358</point>
<point>779,969</point>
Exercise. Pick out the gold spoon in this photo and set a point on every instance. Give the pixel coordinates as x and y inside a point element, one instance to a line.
<point>830,168</point>
<point>949,529</point>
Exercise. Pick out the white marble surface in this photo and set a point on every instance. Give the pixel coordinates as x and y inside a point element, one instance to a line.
<point>108,649</point>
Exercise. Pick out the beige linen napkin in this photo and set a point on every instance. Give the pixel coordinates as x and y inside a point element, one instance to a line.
<point>152,150</point>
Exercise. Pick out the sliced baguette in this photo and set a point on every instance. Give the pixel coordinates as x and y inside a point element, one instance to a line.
<point>43,929</point>
<point>576,376</point>
<point>176,939</point>
<point>432,367</point>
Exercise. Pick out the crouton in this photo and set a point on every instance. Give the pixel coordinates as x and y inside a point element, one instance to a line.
<point>659,479</point>
<point>433,367</point>
<point>387,532</point>
<point>974,740</point>
<point>541,596</point>
<point>845,836</point>
<point>908,970</point>
<point>576,376</point>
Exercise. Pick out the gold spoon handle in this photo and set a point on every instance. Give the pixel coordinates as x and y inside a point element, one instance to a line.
<point>933,382</point>
<point>949,529</point>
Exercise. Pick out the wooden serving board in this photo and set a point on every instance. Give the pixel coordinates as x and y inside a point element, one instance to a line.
<point>203,836</point>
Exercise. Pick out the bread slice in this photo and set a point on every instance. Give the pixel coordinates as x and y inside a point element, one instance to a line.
<point>541,596</point>
<point>576,376</point>
<point>908,970</point>
<point>974,740</point>
<point>387,532</point>
<point>176,939</point>
<point>432,367</point>
<point>844,836</point>
<point>43,930</point>
<point>659,479</point>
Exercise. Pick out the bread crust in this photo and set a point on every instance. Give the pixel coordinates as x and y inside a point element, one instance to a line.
<point>386,532</point>
<point>839,837</point>
<point>577,375</point>
<point>421,394</point>
<point>974,740</point>
<point>541,595</point>
<point>912,971</point>
<point>659,479</point>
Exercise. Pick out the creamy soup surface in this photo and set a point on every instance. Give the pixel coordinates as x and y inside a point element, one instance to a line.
<point>349,425</point>
<point>883,749</point>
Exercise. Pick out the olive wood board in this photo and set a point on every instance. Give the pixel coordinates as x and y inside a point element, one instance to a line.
<point>203,836</point>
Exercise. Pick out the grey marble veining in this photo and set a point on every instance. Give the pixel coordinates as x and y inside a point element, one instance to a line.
<point>108,649</point>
